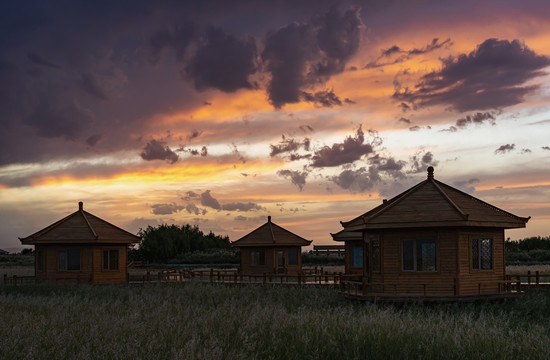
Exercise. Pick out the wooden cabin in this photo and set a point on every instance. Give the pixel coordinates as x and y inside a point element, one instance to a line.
<point>271,249</point>
<point>432,240</point>
<point>81,248</point>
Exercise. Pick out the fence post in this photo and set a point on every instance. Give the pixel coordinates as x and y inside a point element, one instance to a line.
<point>5,279</point>
<point>14,279</point>
<point>529,277</point>
<point>537,278</point>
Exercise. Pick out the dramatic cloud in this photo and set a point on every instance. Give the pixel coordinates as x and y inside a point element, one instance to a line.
<point>545,148</point>
<point>298,178</point>
<point>222,62</point>
<point>59,118</point>
<point>323,98</point>
<point>420,162</point>
<point>505,148</point>
<point>490,77</point>
<point>94,139</point>
<point>158,150</point>
<point>395,54</point>
<point>303,54</point>
<point>178,38</point>
<point>89,84</point>
<point>477,118</point>
<point>352,149</point>
<point>166,209</point>
<point>288,145</point>
<point>359,180</point>
<point>208,200</point>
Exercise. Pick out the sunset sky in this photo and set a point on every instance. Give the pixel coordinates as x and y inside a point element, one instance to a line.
<point>220,113</point>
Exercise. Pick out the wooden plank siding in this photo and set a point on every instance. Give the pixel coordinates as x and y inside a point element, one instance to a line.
<point>91,264</point>
<point>270,265</point>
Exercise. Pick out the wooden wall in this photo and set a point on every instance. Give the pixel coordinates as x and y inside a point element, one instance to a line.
<point>453,263</point>
<point>270,265</point>
<point>91,265</point>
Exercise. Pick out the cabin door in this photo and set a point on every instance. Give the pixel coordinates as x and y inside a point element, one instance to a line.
<point>280,261</point>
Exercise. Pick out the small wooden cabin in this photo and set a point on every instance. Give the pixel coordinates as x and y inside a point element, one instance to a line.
<point>430,240</point>
<point>271,249</point>
<point>81,248</point>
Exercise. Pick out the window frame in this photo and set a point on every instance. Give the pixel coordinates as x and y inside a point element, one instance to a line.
<point>289,263</point>
<point>353,258</point>
<point>479,258</point>
<point>110,261</point>
<point>260,258</point>
<point>66,264</point>
<point>417,242</point>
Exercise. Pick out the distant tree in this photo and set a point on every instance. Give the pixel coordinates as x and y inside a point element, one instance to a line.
<point>27,251</point>
<point>166,242</point>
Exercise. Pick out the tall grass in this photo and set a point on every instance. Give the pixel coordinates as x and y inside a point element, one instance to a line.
<point>202,321</point>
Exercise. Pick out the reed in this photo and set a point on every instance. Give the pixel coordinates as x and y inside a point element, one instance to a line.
<point>203,321</point>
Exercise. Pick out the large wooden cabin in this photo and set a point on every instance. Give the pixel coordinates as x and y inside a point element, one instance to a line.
<point>271,249</point>
<point>81,248</point>
<point>429,241</point>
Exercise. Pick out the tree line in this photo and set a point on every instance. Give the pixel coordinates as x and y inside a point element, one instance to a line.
<point>167,242</point>
<point>531,250</point>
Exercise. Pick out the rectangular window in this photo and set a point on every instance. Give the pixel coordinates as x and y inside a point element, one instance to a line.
<point>293,257</point>
<point>257,258</point>
<point>110,259</point>
<point>419,255</point>
<point>357,256</point>
<point>482,254</point>
<point>68,260</point>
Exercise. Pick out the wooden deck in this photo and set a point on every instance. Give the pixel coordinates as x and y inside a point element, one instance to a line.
<point>429,292</point>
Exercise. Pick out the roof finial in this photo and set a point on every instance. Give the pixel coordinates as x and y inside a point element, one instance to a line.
<point>80,205</point>
<point>269,218</point>
<point>430,172</point>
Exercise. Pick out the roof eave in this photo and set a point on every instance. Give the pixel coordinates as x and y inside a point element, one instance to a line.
<point>486,224</point>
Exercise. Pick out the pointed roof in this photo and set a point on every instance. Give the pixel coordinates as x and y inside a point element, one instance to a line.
<point>432,203</point>
<point>344,235</point>
<point>271,234</point>
<point>81,227</point>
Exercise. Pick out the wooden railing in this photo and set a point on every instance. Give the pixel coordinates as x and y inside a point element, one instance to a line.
<point>536,279</point>
<point>439,288</point>
<point>14,280</point>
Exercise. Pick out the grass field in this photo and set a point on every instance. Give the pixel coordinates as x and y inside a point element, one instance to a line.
<point>203,321</point>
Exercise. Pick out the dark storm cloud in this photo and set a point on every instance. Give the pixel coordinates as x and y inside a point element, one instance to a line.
<point>545,148</point>
<point>39,60</point>
<point>89,84</point>
<point>324,98</point>
<point>166,209</point>
<point>297,178</point>
<point>58,118</point>
<point>352,149</point>
<point>158,150</point>
<point>490,77</point>
<point>223,62</point>
<point>177,38</point>
<point>503,149</point>
<point>308,53</point>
